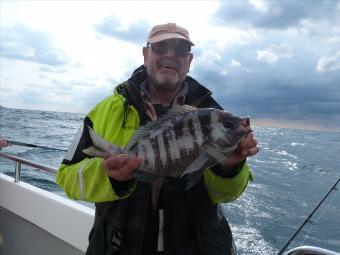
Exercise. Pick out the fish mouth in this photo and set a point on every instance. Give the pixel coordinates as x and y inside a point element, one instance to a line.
<point>245,125</point>
<point>246,121</point>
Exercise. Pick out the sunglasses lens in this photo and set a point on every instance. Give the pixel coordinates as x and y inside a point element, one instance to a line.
<point>161,48</point>
<point>182,50</point>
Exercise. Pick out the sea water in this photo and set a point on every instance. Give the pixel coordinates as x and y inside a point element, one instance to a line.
<point>292,172</point>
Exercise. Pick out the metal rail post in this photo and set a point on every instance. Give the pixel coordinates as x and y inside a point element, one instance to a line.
<point>17,172</point>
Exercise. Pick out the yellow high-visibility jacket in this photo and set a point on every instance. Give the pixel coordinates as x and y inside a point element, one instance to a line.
<point>83,178</point>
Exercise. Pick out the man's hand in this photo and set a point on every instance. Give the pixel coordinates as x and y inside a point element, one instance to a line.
<point>121,167</point>
<point>246,148</point>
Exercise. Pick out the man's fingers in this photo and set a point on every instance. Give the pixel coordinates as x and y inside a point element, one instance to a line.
<point>121,167</point>
<point>250,152</point>
<point>130,166</point>
<point>115,161</point>
<point>249,142</point>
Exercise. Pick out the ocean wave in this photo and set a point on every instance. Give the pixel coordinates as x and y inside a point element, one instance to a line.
<point>297,144</point>
<point>285,153</point>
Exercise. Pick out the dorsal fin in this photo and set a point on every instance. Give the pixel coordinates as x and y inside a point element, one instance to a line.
<point>159,123</point>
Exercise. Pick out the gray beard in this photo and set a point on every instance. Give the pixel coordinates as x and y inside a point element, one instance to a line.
<point>165,85</point>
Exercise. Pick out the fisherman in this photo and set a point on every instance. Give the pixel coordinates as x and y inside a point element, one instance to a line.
<point>186,221</point>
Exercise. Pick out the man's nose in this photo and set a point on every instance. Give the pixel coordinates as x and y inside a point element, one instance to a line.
<point>170,52</point>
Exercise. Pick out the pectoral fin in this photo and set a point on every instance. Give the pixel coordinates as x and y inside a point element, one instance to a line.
<point>194,172</point>
<point>216,155</point>
<point>203,161</point>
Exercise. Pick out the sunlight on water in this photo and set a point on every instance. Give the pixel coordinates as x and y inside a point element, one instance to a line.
<point>297,144</point>
<point>291,165</point>
<point>250,241</point>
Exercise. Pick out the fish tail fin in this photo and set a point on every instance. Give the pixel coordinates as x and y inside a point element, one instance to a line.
<point>95,152</point>
<point>101,148</point>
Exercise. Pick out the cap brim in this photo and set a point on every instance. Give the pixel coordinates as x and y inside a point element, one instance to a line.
<point>162,37</point>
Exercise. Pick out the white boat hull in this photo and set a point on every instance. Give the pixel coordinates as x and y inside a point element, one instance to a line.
<point>35,221</point>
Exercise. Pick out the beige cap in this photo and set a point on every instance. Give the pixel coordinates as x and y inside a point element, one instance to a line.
<point>168,31</point>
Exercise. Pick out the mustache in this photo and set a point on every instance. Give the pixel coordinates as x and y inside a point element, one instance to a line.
<point>169,62</point>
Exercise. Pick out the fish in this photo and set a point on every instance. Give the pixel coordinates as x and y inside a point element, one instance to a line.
<point>182,143</point>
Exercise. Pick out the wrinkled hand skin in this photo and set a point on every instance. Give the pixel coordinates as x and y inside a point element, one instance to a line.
<point>121,167</point>
<point>246,148</point>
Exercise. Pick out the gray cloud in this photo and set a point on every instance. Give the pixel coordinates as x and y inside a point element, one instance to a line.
<point>21,42</point>
<point>34,94</point>
<point>135,33</point>
<point>275,14</point>
<point>288,88</point>
<point>327,64</point>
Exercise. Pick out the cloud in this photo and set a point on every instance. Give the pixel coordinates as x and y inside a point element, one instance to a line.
<point>328,64</point>
<point>135,32</point>
<point>234,63</point>
<point>275,14</point>
<point>288,88</point>
<point>267,56</point>
<point>64,94</point>
<point>21,42</point>
<point>273,53</point>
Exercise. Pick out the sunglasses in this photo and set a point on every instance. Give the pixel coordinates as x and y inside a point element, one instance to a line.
<point>181,49</point>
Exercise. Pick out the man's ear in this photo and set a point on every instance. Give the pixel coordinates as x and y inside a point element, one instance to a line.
<point>191,56</point>
<point>190,59</point>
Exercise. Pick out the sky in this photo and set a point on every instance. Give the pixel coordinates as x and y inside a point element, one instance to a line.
<point>275,61</point>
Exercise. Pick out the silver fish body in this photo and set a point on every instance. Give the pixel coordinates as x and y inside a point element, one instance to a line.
<point>184,141</point>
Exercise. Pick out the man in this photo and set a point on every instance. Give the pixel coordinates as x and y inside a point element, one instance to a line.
<point>186,221</point>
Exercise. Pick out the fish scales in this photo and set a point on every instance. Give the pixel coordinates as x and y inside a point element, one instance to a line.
<point>174,148</point>
<point>169,148</point>
<point>188,152</point>
<point>188,145</point>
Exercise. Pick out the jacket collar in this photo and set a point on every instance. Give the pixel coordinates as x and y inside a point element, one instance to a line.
<point>196,92</point>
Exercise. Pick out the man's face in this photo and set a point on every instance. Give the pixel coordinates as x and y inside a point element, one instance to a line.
<point>167,63</point>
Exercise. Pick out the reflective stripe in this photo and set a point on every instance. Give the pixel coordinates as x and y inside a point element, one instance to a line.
<point>81,178</point>
<point>72,149</point>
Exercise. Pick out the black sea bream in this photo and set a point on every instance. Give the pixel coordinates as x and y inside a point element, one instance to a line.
<point>183,142</point>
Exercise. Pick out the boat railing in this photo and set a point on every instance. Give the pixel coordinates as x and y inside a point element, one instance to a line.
<point>310,250</point>
<point>20,161</point>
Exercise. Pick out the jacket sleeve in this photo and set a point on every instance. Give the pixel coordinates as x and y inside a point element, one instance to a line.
<point>82,177</point>
<point>223,190</point>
